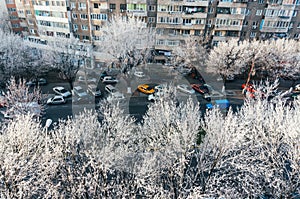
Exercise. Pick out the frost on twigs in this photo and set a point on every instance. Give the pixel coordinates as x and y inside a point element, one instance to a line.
<point>21,99</point>
<point>251,153</point>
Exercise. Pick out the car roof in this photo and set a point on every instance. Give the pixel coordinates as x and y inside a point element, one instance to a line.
<point>59,87</point>
<point>77,87</point>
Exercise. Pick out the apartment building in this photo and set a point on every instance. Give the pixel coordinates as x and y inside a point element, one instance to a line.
<point>13,17</point>
<point>4,18</point>
<point>212,21</point>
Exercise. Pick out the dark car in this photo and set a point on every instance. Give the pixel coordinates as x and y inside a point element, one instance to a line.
<point>39,81</point>
<point>200,88</point>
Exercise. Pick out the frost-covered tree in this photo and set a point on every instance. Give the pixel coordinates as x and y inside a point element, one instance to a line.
<point>68,55</point>
<point>227,58</point>
<point>252,153</point>
<point>190,51</point>
<point>20,99</point>
<point>127,39</point>
<point>5,25</point>
<point>278,58</point>
<point>19,59</point>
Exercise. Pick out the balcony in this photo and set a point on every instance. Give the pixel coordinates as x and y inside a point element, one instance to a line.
<point>195,3</point>
<point>229,28</point>
<point>194,15</point>
<point>232,5</point>
<point>230,16</point>
<point>275,30</point>
<point>53,19</point>
<point>137,13</point>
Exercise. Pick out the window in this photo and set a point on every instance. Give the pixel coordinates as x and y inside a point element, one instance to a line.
<point>84,37</point>
<point>74,16</point>
<point>151,8</point>
<point>13,17</point>
<point>245,23</point>
<point>99,16</point>
<point>296,36</point>
<point>84,27</point>
<point>47,3</point>
<point>97,27</point>
<point>9,1</point>
<point>197,32</point>
<point>11,9</point>
<point>57,3</point>
<point>258,12</point>
<point>82,5</point>
<point>53,3</point>
<point>253,34</point>
<point>187,21</point>
<point>254,25</point>
<point>295,13</point>
<point>96,5</point>
<point>218,33</point>
<point>123,7</point>
<point>210,10</point>
<point>186,32</point>
<point>83,16</point>
<point>32,31</point>
<point>15,25</point>
<point>28,12</point>
<point>73,5</point>
<point>151,19</point>
<point>261,1</point>
<point>75,26</point>
<point>112,6</point>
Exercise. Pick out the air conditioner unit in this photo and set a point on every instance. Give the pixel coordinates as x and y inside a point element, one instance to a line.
<point>122,10</point>
<point>254,27</point>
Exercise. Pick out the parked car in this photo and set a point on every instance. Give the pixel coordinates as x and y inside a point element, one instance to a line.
<point>88,80</point>
<point>109,80</point>
<point>62,91</point>
<point>145,88</point>
<point>57,99</point>
<point>115,96</point>
<point>40,82</point>
<point>200,88</point>
<point>297,88</point>
<point>155,96</point>
<point>139,74</point>
<point>92,89</point>
<point>32,108</point>
<point>110,89</point>
<point>78,91</point>
<point>3,102</point>
<point>185,88</point>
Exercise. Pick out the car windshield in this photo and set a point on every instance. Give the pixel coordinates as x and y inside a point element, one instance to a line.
<point>63,90</point>
<point>80,90</point>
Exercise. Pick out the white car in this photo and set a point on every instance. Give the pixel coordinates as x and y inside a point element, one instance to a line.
<point>84,79</point>
<point>115,96</point>
<point>297,87</point>
<point>185,88</point>
<point>78,91</point>
<point>139,74</point>
<point>155,96</point>
<point>62,91</point>
<point>109,80</point>
<point>110,89</point>
<point>57,99</point>
<point>92,89</point>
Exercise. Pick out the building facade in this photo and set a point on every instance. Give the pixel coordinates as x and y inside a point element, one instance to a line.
<point>211,21</point>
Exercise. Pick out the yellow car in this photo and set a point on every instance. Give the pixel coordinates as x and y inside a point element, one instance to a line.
<point>145,88</point>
